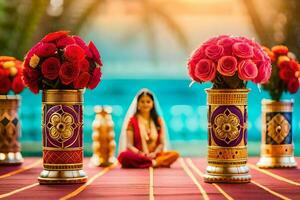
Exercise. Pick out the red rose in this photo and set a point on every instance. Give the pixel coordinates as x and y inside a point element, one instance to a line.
<point>45,50</point>
<point>95,53</point>
<point>68,73</point>
<point>95,78</point>
<point>30,53</point>
<point>30,78</point>
<point>293,85</point>
<point>283,64</point>
<point>61,43</point>
<point>286,74</point>
<point>280,50</point>
<point>82,80</point>
<point>17,85</point>
<point>4,72</point>
<point>82,44</point>
<point>247,70</point>
<point>227,65</point>
<point>54,36</point>
<point>205,70</point>
<point>293,65</point>
<point>50,68</point>
<point>242,50</point>
<point>4,85</point>
<point>214,52</point>
<point>84,65</point>
<point>74,53</point>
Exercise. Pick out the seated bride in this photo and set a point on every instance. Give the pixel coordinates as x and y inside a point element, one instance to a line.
<point>143,137</point>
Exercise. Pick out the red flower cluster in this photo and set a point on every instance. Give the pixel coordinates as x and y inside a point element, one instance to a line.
<point>62,61</point>
<point>10,75</point>
<point>286,68</point>
<point>227,57</point>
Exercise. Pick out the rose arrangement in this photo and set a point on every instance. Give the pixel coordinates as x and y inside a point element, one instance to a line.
<point>229,62</point>
<point>10,75</point>
<point>285,72</point>
<point>62,61</point>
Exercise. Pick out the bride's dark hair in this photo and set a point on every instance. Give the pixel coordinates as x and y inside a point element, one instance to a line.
<point>153,112</point>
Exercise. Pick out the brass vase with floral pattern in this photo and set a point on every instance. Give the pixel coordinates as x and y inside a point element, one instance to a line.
<point>277,149</point>
<point>227,136</point>
<point>62,122</point>
<point>104,144</point>
<point>10,132</point>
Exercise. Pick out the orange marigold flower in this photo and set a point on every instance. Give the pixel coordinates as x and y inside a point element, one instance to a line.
<point>280,50</point>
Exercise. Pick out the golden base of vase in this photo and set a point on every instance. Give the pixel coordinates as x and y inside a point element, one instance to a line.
<point>62,177</point>
<point>11,158</point>
<point>227,174</point>
<point>99,162</point>
<point>277,162</point>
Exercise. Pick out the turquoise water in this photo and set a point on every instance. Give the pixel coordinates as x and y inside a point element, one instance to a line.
<point>184,110</point>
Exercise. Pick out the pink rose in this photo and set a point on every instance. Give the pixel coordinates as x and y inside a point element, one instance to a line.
<point>214,52</point>
<point>264,72</point>
<point>226,43</point>
<point>205,70</point>
<point>227,65</point>
<point>247,70</point>
<point>242,50</point>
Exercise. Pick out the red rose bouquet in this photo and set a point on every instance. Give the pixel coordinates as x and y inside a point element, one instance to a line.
<point>229,62</point>
<point>285,72</point>
<point>10,75</point>
<point>62,61</point>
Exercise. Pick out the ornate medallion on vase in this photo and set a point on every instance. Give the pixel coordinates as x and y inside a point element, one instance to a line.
<point>277,149</point>
<point>228,62</point>
<point>11,85</point>
<point>104,144</point>
<point>62,66</point>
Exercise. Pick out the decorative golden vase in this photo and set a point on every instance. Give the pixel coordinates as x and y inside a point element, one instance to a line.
<point>104,144</point>
<point>277,149</point>
<point>10,146</point>
<point>227,136</point>
<point>62,122</point>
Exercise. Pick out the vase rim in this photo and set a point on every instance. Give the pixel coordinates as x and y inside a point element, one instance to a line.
<point>280,101</point>
<point>11,96</point>
<point>246,90</point>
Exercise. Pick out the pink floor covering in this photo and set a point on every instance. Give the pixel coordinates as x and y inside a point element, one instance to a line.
<point>181,181</point>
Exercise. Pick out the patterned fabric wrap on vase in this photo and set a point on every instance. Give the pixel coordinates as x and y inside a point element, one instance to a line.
<point>227,136</point>
<point>277,149</point>
<point>10,146</point>
<point>62,137</point>
<point>104,144</point>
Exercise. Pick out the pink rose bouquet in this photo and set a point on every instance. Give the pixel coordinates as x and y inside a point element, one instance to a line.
<point>285,72</point>
<point>62,61</point>
<point>229,62</point>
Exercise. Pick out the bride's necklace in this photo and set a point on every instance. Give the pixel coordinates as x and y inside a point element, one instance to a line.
<point>147,125</point>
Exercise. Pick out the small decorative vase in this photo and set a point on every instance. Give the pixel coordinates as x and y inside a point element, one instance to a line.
<point>227,136</point>
<point>104,144</point>
<point>10,146</point>
<point>62,123</point>
<point>277,149</point>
